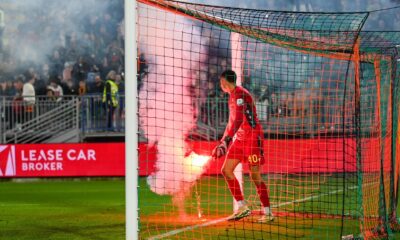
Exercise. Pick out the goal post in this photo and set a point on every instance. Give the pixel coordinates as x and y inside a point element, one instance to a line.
<point>131,153</point>
<point>237,66</point>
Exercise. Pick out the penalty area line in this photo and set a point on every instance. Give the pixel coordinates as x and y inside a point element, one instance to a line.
<point>216,221</point>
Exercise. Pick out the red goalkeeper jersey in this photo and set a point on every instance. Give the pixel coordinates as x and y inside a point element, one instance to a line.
<point>243,120</point>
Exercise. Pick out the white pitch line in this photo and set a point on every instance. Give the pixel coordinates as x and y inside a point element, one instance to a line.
<point>20,204</point>
<point>310,198</point>
<point>176,231</point>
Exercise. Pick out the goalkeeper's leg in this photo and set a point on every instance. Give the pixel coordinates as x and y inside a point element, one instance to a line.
<point>234,187</point>
<point>262,193</point>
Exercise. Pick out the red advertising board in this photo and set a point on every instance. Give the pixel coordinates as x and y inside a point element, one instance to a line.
<point>62,160</point>
<point>318,155</point>
<point>108,159</point>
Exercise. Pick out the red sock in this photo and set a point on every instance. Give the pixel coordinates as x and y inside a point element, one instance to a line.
<point>234,187</point>
<point>263,194</point>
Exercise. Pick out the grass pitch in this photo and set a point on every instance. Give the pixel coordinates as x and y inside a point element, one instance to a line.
<point>71,209</point>
<point>62,210</point>
<point>160,219</point>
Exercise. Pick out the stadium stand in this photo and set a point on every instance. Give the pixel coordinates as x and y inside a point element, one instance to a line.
<point>83,56</point>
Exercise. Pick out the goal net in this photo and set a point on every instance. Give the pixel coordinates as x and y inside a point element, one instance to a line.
<point>326,95</point>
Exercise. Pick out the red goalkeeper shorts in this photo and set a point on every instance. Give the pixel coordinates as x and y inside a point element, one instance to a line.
<point>250,150</point>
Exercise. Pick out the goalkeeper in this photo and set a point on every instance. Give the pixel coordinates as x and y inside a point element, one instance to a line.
<point>242,141</point>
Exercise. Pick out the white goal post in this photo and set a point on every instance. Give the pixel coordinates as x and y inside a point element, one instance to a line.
<point>237,66</point>
<point>131,127</point>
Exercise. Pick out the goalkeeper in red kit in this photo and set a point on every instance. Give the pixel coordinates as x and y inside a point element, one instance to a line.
<point>242,141</point>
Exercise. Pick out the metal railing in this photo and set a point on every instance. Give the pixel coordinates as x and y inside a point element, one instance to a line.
<point>89,116</point>
<point>310,118</point>
<point>47,118</point>
<point>96,117</point>
<point>14,112</point>
<point>41,121</point>
<point>213,115</point>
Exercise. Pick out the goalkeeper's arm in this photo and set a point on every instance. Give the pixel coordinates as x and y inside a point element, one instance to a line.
<point>221,149</point>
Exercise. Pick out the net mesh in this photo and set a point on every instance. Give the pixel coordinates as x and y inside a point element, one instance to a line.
<point>326,97</point>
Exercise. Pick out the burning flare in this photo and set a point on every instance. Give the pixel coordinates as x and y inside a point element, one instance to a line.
<point>194,163</point>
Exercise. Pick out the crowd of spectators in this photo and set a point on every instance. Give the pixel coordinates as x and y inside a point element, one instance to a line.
<point>78,62</point>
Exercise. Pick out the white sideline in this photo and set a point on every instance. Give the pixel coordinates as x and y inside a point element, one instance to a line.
<point>176,231</point>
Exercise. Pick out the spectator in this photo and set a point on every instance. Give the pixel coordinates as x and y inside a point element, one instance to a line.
<point>56,89</point>
<point>211,90</point>
<point>67,72</point>
<point>3,88</point>
<point>56,65</point>
<point>18,85</point>
<point>94,66</point>
<point>68,87</point>
<point>115,55</point>
<point>28,90</point>
<point>45,74</point>
<point>50,94</point>
<point>260,108</point>
<point>67,84</point>
<point>14,115</point>
<point>95,103</point>
<point>120,84</point>
<point>80,70</point>
<point>110,98</point>
<point>40,86</point>
<point>82,88</point>
<point>121,91</point>
<point>104,34</point>
<point>98,86</point>
<point>7,88</point>
<point>10,89</point>
<point>29,97</point>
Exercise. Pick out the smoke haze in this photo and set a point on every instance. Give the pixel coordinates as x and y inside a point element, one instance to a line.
<point>174,55</point>
<point>34,28</point>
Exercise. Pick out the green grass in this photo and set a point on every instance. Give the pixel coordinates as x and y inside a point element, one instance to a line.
<point>95,210</point>
<point>62,210</point>
<point>159,215</point>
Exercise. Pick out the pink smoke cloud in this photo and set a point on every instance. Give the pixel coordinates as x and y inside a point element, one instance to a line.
<point>173,54</point>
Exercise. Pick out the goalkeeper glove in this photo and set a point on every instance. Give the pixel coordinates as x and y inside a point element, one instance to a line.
<point>221,149</point>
